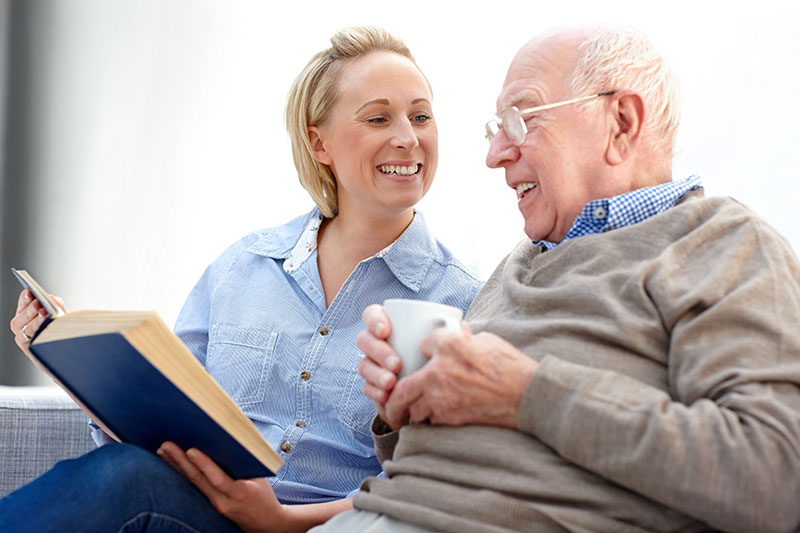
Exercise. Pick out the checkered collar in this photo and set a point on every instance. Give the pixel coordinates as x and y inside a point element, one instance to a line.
<point>607,214</point>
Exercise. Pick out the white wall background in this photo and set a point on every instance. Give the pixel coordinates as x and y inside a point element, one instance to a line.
<point>161,138</point>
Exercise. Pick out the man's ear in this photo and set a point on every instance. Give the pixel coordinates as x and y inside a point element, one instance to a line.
<point>626,127</point>
<point>321,154</point>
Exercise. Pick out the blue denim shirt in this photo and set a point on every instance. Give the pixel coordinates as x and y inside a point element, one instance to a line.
<point>262,329</point>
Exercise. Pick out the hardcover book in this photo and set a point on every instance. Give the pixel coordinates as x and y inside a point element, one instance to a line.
<point>136,379</point>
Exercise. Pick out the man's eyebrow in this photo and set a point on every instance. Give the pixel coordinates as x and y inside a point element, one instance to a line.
<point>524,96</point>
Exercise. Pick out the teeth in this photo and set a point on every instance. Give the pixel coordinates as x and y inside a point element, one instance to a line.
<point>396,169</point>
<point>522,188</point>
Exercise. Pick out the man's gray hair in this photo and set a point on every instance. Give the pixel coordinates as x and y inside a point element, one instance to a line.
<point>624,58</point>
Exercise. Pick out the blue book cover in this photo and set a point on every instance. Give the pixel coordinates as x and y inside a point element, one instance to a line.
<point>143,386</point>
<point>137,403</point>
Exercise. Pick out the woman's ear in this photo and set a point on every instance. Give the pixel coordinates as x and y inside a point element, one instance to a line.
<point>626,127</point>
<point>315,137</point>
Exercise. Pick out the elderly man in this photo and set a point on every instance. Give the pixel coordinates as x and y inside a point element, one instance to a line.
<point>634,368</point>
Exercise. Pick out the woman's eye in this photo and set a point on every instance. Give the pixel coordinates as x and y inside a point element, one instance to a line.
<point>421,118</point>
<point>376,120</point>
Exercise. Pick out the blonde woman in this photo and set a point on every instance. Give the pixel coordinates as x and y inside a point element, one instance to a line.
<point>275,318</point>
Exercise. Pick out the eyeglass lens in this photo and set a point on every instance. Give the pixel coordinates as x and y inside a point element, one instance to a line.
<point>514,126</point>
<point>511,122</point>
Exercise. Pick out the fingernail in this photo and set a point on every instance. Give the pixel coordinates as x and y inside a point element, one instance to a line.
<point>393,363</point>
<point>380,329</point>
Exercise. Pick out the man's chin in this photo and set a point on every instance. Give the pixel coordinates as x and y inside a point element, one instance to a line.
<point>535,233</point>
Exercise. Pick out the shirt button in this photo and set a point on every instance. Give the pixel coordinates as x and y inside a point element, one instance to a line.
<point>300,424</point>
<point>599,212</point>
<point>305,375</point>
<point>323,330</point>
<point>286,447</point>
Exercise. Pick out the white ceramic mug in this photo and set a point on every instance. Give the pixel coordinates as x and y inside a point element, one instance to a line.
<point>412,321</point>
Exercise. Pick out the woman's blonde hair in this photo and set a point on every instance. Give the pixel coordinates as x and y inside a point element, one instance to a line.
<point>312,96</point>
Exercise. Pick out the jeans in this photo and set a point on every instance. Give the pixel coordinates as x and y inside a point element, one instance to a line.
<point>118,487</point>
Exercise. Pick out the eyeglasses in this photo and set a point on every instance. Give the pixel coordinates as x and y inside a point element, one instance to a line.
<point>511,119</point>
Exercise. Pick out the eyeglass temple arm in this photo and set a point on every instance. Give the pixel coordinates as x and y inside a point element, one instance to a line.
<point>567,102</point>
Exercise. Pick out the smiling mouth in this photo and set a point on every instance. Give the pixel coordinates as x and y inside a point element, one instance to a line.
<point>523,188</point>
<point>399,170</point>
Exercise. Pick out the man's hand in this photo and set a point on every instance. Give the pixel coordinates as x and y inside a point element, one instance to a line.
<point>250,503</point>
<point>470,379</point>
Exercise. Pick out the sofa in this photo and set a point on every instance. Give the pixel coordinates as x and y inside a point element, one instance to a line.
<point>39,426</point>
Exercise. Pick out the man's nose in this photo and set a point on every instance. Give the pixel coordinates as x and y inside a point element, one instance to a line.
<point>501,151</point>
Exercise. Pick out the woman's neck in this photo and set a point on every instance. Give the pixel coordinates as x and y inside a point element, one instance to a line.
<point>348,239</point>
<point>360,236</point>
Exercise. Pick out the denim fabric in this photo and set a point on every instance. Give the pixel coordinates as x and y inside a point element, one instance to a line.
<point>118,487</point>
<point>259,323</point>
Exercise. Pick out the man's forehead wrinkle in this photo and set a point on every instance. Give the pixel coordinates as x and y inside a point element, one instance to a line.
<point>541,70</point>
<point>529,81</point>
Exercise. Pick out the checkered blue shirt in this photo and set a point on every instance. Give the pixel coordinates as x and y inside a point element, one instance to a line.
<point>611,213</point>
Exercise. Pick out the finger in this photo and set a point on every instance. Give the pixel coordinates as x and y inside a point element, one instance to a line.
<point>60,302</point>
<point>168,459</point>
<point>376,376</point>
<point>379,351</point>
<point>33,323</point>
<point>430,344</point>
<point>24,329</point>
<point>179,460</point>
<point>376,321</point>
<point>24,299</point>
<point>212,472</point>
<point>379,396</point>
<point>420,411</point>
<point>25,315</point>
<point>407,391</point>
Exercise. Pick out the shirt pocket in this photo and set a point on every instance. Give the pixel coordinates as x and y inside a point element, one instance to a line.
<point>240,359</point>
<point>356,411</point>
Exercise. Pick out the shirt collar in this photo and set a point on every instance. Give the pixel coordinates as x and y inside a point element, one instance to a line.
<point>409,257</point>
<point>278,242</point>
<point>626,209</point>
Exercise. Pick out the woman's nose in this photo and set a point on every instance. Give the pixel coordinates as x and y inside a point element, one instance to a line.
<point>404,135</point>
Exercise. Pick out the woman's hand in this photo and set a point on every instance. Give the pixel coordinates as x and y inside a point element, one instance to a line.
<point>250,503</point>
<point>30,315</point>
<point>380,364</point>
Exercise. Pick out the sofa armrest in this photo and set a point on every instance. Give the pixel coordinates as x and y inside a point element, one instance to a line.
<point>39,426</point>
